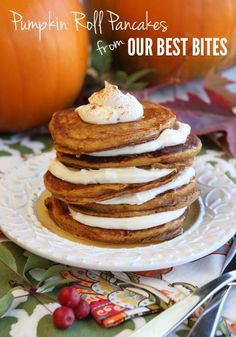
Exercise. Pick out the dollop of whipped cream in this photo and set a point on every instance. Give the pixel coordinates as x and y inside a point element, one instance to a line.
<point>110,106</point>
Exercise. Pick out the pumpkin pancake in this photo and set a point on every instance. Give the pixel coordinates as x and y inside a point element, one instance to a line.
<point>58,211</point>
<point>85,194</point>
<point>78,144</point>
<point>167,201</point>
<point>178,156</point>
<point>74,136</point>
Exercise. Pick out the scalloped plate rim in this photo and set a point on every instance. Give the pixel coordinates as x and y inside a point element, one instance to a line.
<point>107,264</point>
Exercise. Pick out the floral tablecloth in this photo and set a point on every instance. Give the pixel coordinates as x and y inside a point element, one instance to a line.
<point>30,314</point>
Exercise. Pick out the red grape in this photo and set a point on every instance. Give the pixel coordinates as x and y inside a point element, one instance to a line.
<point>69,297</point>
<point>63,317</point>
<point>82,310</point>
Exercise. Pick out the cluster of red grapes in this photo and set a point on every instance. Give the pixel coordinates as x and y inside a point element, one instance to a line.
<point>72,307</point>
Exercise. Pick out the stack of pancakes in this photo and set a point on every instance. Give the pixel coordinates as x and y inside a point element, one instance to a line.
<point>94,210</point>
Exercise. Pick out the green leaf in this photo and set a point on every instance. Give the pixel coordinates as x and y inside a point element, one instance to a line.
<point>212,162</point>
<point>9,276</point>
<point>35,261</point>
<point>120,76</point>
<point>5,325</point>
<point>60,283</point>
<point>137,85</point>
<point>52,271</point>
<point>225,157</point>
<point>7,258</point>
<point>30,304</point>
<point>46,140</point>
<point>83,328</point>
<point>5,153</point>
<point>21,148</point>
<point>137,75</point>
<point>202,152</point>
<point>18,254</point>
<point>101,63</point>
<point>5,302</point>
<point>230,177</point>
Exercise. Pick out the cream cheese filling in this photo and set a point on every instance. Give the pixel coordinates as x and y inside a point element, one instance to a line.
<point>126,175</point>
<point>169,137</point>
<point>140,198</point>
<point>132,223</point>
<point>110,106</point>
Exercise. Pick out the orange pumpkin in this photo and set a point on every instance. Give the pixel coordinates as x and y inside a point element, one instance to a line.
<point>186,18</point>
<point>37,76</point>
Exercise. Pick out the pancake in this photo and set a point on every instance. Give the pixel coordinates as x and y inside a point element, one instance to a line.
<point>82,145</point>
<point>74,136</point>
<point>168,201</point>
<point>178,156</point>
<point>58,211</point>
<point>85,194</point>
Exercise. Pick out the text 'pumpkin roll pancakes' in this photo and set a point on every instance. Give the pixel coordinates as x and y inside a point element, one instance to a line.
<point>122,173</point>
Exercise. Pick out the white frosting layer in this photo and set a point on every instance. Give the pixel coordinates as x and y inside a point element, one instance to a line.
<point>110,106</point>
<point>168,137</point>
<point>129,175</point>
<point>133,223</point>
<point>140,198</point>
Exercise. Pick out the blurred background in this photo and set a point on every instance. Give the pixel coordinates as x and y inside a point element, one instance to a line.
<point>40,76</point>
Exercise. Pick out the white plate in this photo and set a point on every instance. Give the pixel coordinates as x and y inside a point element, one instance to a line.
<point>215,224</point>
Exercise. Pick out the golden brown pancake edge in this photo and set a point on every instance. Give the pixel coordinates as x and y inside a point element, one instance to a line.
<point>85,194</point>
<point>173,156</point>
<point>60,214</point>
<point>72,135</point>
<point>170,200</point>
